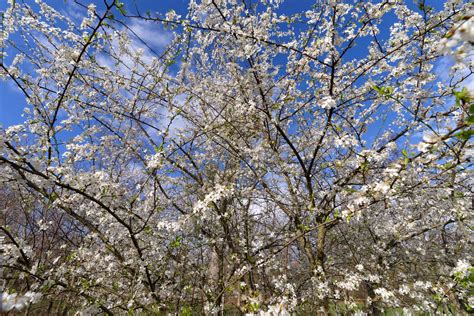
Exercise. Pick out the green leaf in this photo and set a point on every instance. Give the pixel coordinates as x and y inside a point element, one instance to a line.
<point>462,96</point>
<point>377,88</point>
<point>186,311</point>
<point>304,228</point>
<point>464,93</point>
<point>159,148</point>
<point>470,120</point>
<point>385,91</point>
<point>119,6</point>
<point>458,194</point>
<point>405,154</point>
<point>53,197</point>
<point>348,218</point>
<point>85,284</point>
<point>447,166</point>
<point>465,135</point>
<point>177,242</point>
<point>71,256</point>
<point>364,166</point>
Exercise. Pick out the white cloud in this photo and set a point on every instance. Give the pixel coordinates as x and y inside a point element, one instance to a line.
<point>145,36</point>
<point>74,12</point>
<point>443,71</point>
<point>151,33</point>
<point>442,67</point>
<point>469,83</point>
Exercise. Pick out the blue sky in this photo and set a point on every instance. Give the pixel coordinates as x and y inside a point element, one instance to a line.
<point>12,101</point>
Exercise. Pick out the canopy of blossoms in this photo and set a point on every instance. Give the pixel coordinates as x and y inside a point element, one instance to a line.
<point>238,158</point>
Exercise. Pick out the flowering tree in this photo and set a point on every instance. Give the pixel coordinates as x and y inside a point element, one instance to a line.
<point>260,161</point>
